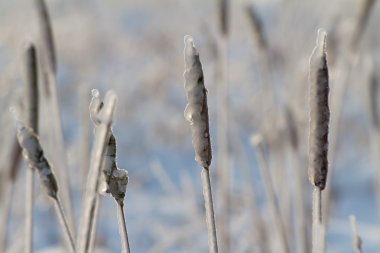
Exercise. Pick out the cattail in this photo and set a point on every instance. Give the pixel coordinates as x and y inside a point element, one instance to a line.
<point>34,155</point>
<point>104,176</point>
<point>113,180</point>
<point>196,111</point>
<point>319,113</point>
<point>31,77</point>
<point>318,135</point>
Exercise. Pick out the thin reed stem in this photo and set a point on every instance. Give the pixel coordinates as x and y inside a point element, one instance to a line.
<point>122,228</point>
<point>64,224</point>
<point>210,216</point>
<point>49,67</point>
<point>89,200</point>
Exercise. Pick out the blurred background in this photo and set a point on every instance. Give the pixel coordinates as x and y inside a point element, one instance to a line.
<point>256,74</point>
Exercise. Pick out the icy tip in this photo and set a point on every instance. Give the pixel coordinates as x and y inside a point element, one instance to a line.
<point>95,93</point>
<point>321,40</point>
<point>189,41</point>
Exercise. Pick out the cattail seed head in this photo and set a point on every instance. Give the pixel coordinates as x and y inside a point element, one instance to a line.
<point>319,113</point>
<point>112,180</point>
<point>34,155</point>
<point>196,111</point>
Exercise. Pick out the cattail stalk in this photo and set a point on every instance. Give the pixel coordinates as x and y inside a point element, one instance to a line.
<point>34,156</point>
<point>356,240</point>
<point>196,113</point>
<point>49,68</point>
<point>89,200</point>
<point>271,196</point>
<point>318,134</point>
<point>122,228</point>
<point>31,108</point>
<point>113,180</point>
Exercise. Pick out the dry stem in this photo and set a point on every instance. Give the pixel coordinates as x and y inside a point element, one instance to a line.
<point>122,227</point>
<point>210,217</point>
<point>89,201</point>
<point>64,225</point>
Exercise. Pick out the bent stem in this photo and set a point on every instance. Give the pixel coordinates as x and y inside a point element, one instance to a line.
<point>122,227</point>
<point>210,217</point>
<point>64,224</point>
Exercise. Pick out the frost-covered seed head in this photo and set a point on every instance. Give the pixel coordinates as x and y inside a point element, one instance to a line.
<point>196,111</point>
<point>34,155</point>
<point>319,113</point>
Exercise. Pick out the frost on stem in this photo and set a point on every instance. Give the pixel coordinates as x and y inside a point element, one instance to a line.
<point>113,180</point>
<point>34,155</point>
<point>319,113</point>
<point>196,111</point>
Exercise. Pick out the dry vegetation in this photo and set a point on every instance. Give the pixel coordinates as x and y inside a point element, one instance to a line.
<point>274,113</point>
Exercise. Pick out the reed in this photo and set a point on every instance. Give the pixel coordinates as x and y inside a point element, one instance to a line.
<point>48,63</point>
<point>31,108</point>
<point>90,197</point>
<point>318,133</point>
<point>112,180</point>
<point>34,156</point>
<point>196,113</point>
